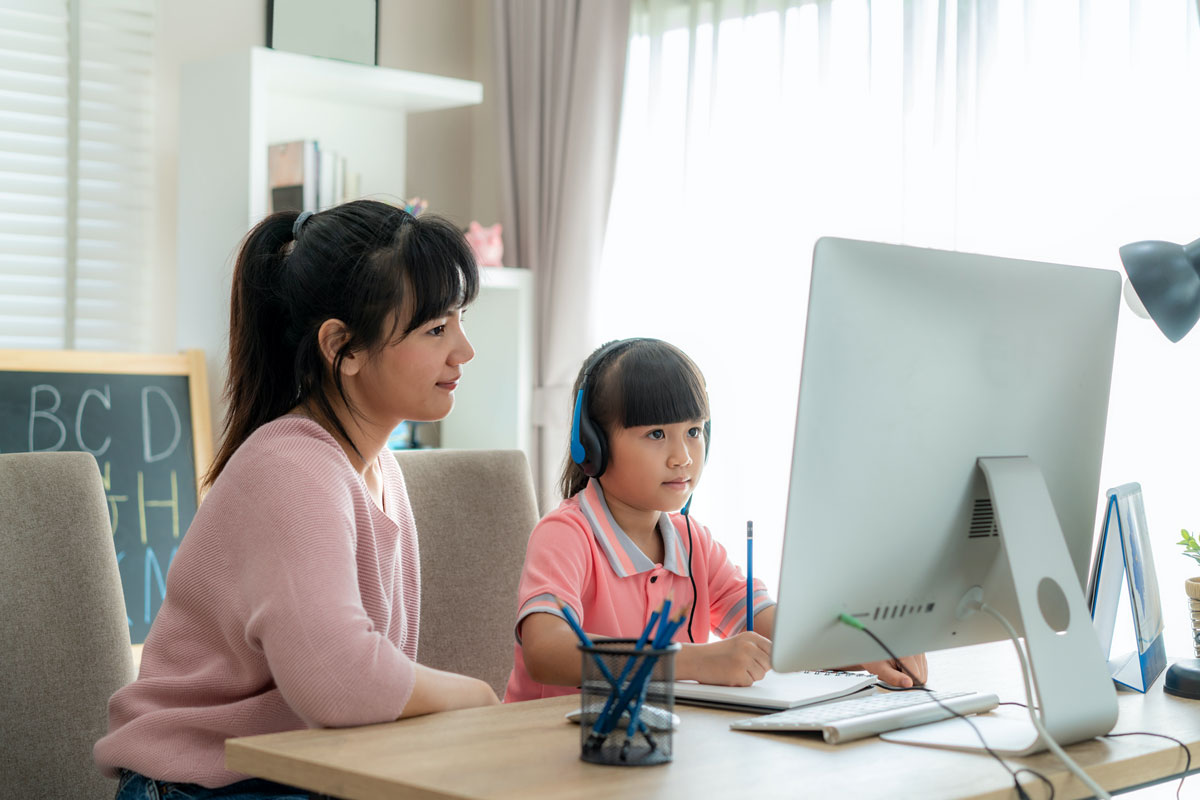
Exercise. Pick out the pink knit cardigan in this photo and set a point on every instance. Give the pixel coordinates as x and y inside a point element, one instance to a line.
<point>293,601</point>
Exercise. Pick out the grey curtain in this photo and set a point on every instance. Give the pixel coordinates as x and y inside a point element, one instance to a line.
<point>560,71</point>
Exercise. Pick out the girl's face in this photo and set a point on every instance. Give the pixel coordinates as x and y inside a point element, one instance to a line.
<point>655,467</point>
<point>414,378</point>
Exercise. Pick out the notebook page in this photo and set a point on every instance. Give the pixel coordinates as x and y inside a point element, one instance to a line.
<point>777,690</point>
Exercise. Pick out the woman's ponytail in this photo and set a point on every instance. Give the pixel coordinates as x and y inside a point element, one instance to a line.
<point>261,383</point>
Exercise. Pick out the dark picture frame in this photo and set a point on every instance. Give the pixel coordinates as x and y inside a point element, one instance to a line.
<point>346,30</point>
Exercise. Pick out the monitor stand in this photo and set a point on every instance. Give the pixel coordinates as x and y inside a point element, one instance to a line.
<point>1071,682</point>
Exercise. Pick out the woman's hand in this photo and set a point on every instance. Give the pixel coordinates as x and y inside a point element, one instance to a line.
<point>890,672</point>
<point>737,661</point>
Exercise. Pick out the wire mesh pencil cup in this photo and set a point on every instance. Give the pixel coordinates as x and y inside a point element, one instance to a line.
<point>626,705</point>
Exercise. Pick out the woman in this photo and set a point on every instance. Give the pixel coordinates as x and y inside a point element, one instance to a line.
<point>293,600</point>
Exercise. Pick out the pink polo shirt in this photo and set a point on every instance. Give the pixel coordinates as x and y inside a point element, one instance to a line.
<point>579,554</point>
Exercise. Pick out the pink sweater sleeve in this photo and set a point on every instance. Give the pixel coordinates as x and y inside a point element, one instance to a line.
<point>298,574</point>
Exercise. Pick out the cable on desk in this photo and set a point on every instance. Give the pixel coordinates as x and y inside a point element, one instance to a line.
<point>1187,753</point>
<point>1021,793</point>
<point>1049,741</point>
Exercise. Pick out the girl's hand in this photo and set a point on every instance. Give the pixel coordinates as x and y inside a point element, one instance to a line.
<point>890,673</point>
<point>737,661</point>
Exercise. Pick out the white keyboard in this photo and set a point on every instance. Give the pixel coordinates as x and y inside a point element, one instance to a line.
<point>858,717</point>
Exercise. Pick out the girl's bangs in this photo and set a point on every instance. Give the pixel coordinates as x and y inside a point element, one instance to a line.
<point>661,387</point>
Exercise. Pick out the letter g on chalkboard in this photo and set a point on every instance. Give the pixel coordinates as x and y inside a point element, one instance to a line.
<point>146,420</point>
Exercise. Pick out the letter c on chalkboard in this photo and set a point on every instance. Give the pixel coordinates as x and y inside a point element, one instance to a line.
<point>105,400</point>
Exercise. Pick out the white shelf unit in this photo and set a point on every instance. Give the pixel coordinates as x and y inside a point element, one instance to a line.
<point>231,108</point>
<point>492,405</point>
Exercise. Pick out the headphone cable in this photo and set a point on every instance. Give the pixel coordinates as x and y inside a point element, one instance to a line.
<point>691,577</point>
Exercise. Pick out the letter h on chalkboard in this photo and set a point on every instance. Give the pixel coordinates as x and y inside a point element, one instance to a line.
<point>145,418</point>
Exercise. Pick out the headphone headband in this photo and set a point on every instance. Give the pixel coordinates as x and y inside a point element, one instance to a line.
<point>589,446</point>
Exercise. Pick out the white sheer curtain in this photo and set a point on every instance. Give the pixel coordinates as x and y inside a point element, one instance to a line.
<point>1048,130</point>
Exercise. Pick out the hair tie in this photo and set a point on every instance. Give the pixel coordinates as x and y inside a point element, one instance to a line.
<point>299,223</point>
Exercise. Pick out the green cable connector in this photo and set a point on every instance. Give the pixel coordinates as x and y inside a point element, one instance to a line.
<point>851,621</point>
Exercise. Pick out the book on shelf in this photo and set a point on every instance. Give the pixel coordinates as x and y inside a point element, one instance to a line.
<point>331,187</point>
<point>304,176</point>
<point>777,691</point>
<point>292,176</point>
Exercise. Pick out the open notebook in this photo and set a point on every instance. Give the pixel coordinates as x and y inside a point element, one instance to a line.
<point>776,691</point>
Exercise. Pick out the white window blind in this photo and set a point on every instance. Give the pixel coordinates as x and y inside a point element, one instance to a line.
<point>76,172</point>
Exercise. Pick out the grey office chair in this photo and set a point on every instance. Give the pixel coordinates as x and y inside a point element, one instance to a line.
<point>64,641</point>
<point>474,511</point>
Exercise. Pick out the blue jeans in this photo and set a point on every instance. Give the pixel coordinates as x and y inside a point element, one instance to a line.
<point>133,786</point>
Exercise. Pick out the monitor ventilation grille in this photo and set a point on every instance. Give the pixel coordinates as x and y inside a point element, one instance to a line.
<point>983,520</point>
<point>897,610</point>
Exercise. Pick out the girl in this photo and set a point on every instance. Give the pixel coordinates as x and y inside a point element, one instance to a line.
<point>293,600</point>
<point>615,548</point>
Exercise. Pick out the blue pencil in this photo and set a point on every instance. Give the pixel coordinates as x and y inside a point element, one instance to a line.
<point>629,662</point>
<point>636,717</point>
<point>584,640</point>
<point>642,676</point>
<point>749,575</point>
<point>569,616</point>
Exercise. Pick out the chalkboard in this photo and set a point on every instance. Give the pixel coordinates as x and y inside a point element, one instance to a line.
<point>145,418</point>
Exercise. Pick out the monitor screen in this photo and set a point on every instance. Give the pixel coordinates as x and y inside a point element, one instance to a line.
<point>917,363</point>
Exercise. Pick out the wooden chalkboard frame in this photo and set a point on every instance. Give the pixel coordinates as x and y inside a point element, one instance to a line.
<point>189,363</point>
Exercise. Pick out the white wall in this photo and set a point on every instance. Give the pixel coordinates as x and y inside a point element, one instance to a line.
<point>186,31</point>
<point>452,158</point>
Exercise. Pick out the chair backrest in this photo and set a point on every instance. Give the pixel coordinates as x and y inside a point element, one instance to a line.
<point>474,511</point>
<point>64,639</point>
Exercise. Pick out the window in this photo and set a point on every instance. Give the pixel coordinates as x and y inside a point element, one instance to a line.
<point>1053,131</point>
<point>76,172</point>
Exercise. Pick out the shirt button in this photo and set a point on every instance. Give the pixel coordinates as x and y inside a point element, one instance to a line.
<point>654,579</point>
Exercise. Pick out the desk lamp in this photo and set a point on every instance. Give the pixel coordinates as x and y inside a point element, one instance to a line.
<point>1166,284</point>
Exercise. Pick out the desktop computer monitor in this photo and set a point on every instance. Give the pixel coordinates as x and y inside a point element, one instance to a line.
<point>919,363</point>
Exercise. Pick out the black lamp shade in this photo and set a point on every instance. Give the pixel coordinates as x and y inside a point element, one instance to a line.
<point>1166,278</point>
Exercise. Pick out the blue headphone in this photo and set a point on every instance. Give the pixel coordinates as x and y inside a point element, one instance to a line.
<point>589,445</point>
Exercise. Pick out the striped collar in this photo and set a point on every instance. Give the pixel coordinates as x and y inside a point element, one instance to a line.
<point>625,557</point>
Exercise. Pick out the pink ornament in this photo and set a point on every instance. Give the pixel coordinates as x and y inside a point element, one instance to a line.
<point>487,244</point>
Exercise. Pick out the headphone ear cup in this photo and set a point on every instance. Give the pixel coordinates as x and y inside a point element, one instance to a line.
<point>601,451</point>
<point>595,447</point>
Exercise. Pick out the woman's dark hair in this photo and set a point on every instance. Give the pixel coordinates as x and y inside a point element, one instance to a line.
<point>636,382</point>
<point>360,263</point>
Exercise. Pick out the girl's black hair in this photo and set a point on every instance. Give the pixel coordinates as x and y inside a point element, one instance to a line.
<point>359,262</point>
<point>637,382</point>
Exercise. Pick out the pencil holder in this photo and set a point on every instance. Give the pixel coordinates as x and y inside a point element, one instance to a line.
<point>1192,587</point>
<point>627,703</point>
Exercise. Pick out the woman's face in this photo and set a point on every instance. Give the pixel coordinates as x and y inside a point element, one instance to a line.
<point>414,377</point>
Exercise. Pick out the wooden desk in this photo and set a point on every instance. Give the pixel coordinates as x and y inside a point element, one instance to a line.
<point>527,750</point>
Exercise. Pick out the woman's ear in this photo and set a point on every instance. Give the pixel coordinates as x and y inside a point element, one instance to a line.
<point>331,336</point>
